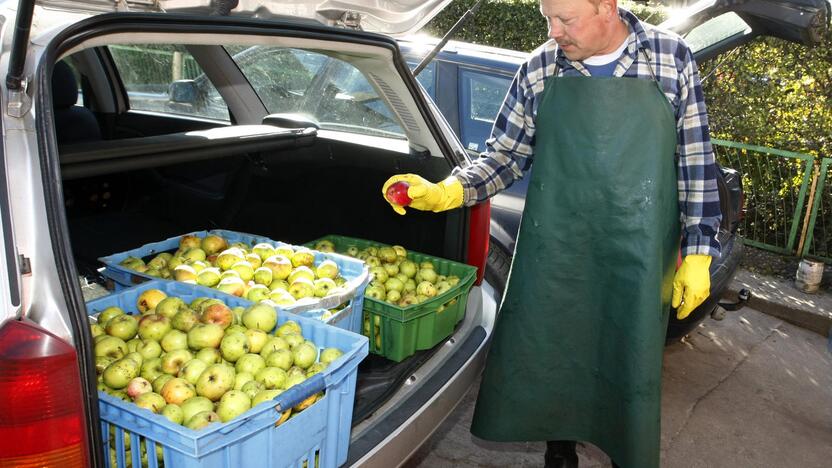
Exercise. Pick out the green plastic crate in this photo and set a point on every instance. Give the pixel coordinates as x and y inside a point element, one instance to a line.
<point>404,330</point>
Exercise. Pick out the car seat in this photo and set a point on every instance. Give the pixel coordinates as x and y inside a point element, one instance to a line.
<point>73,124</point>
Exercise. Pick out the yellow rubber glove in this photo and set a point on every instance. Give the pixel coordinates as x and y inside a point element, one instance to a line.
<point>427,196</point>
<point>691,285</point>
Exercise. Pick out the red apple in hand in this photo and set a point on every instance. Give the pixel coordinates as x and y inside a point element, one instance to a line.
<point>397,193</point>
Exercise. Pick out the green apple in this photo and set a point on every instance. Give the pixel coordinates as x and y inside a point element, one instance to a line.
<point>169,306</point>
<point>379,274</point>
<point>252,388</point>
<point>264,276</point>
<point>173,361</point>
<point>192,369</point>
<point>302,288</point>
<point>118,374</point>
<point>201,420</point>
<point>387,254</point>
<point>122,326</point>
<point>295,379</point>
<point>394,284</point>
<point>177,390</point>
<point>303,257</point>
<point>271,377</point>
<point>327,269</point>
<point>153,327</point>
<point>150,401</point>
<point>324,245</point>
<point>195,405</point>
<point>315,368</point>
<point>184,320</point>
<point>232,285</point>
<point>109,313</point>
<point>233,404</point>
<point>133,344</point>
<point>273,344</point>
<point>233,346</point>
<point>280,266</point>
<point>236,328</point>
<point>264,250</point>
<point>426,274</point>
<point>241,379</point>
<point>149,349</point>
<point>250,364</point>
<point>205,335</point>
<point>254,260</point>
<point>209,355</point>
<point>244,269</point>
<point>400,251</point>
<point>281,358</point>
<point>352,251</point>
<point>173,340</point>
<point>304,354</point>
<point>265,395</point>
<point>281,297</point>
<point>215,381</point>
<point>111,347</point>
<point>442,286</point>
<point>260,317</point>
<point>194,255</point>
<point>301,272</point>
<point>159,382</point>
<point>208,277</point>
<point>393,296</point>
<point>289,327</point>
<point>151,369</point>
<point>185,273</point>
<point>425,288</point>
<point>330,354</point>
<point>101,363</point>
<point>136,357</point>
<point>372,261</point>
<point>375,292</point>
<point>256,339</point>
<point>323,287</point>
<point>258,292</point>
<point>212,244</point>
<point>229,257</point>
<point>453,280</point>
<point>391,268</point>
<point>408,268</point>
<point>174,414</point>
<point>409,285</point>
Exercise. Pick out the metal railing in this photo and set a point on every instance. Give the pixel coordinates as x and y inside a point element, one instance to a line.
<point>775,183</point>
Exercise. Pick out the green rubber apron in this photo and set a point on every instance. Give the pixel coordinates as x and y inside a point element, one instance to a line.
<point>577,348</point>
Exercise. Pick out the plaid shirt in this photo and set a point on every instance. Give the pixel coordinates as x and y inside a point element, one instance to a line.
<point>510,149</point>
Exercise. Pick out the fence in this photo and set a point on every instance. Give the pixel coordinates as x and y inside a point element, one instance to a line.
<point>788,203</point>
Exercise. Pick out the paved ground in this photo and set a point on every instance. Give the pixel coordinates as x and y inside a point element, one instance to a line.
<point>749,391</point>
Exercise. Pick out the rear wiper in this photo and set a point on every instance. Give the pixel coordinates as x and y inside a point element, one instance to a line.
<point>468,14</point>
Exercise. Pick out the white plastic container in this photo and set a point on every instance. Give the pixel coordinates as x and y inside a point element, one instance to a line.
<point>809,274</point>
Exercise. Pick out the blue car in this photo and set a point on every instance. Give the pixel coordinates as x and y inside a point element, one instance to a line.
<point>468,83</point>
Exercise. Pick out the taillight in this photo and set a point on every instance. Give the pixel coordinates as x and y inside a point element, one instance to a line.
<point>480,231</point>
<point>41,407</point>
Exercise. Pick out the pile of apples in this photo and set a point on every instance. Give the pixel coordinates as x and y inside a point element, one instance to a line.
<point>395,279</point>
<point>203,362</point>
<point>282,275</point>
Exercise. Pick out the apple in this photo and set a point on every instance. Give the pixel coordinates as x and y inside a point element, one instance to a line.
<point>258,292</point>
<point>185,273</point>
<point>279,285</point>
<point>325,245</point>
<point>400,251</point>
<point>252,388</point>
<point>174,414</point>
<point>263,275</point>
<point>401,277</point>
<point>151,369</point>
<point>315,368</point>
<point>169,306</point>
<point>122,326</point>
<point>189,241</point>
<point>254,259</point>
<point>265,395</point>
<point>235,329</point>
<point>293,340</point>
<point>149,349</point>
<point>323,287</point>
<point>133,344</point>
<point>392,269</point>
<point>442,286</point>
<point>375,292</point>
<point>378,274</point>
<point>281,358</point>
<point>289,327</point>
<point>213,243</point>
<point>177,391</point>
<point>271,377</point>
<point>233,404</point>
<point>453,280</point>
<point>304,354</point>
<point>264,250</point>
<point>394,284</point>
<point>241,379</point>
<point>150,401</point>
<point>118,374</point>
<point>194,255</point>
<point>301,272</point>
<point>393,296</point>
<point>426,274</point>
<point>153,327</point>
<point>195,405</point>
<point>173,340</point>
<point>294,379</point>
<point>184,320</point>
<point>208,277</point>
<point>280,266</point>
<point>281,297</point>
<point>244,269</point>
<point>408,268</point>
<point>173,361</point>
<point>229,257</point>
<point>205,335</point>
<point>409,285</point>
<point>111,347</point>
<point>136,357</point>
<point>159,382</point>
<point>303,257</point>
<point>426,288</point>
<point>149,299</point>
<point>233,346</point>
<point>137,386</point>
<point>96,330</point>
<point>132,262</point>
<point>260,317</point>
<point>215,381</point>
<point>201,420</point>
<point>330,354</point>
<point>256,340</point>
<point>209,355</point>
<point>397,193</point>
<point>192,369</point>
<point>101,363</point>
<point>232,285</point>
<point>218,313</point>
<point>387,254</point>
<point>372,261</point>
<point>109,313</point>
<point>250,364</point>
<point>327,269</point>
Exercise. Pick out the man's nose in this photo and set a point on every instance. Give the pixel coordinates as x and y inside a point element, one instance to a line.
<point>555,30</point>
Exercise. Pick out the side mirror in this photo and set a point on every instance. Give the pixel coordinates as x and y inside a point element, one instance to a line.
<point>183,92</point>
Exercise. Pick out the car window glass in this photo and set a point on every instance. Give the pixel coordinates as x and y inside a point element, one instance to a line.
<point>481,95</point>
<point>166,78</point>
<point>427,77</point>
<point>331,91</point>
<point>716,30</point>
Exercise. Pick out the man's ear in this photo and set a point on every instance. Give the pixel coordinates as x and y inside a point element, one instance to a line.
<point>608,8</point>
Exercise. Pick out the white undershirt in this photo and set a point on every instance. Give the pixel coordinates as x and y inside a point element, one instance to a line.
<point>598,60</point>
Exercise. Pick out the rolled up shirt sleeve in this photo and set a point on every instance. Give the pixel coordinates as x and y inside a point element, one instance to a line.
<point>697,170</point>
<point>510,148</point>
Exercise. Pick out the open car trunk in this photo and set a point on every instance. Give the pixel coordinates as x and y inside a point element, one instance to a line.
<point>288,185</point>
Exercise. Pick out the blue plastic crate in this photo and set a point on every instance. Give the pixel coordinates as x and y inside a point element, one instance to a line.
<point>322,430</point>
<point>354,271</point>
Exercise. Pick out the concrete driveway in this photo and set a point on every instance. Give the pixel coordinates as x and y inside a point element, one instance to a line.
<point>749,391</point>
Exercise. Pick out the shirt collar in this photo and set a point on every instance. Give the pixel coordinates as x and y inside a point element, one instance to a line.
<point>636,40</point>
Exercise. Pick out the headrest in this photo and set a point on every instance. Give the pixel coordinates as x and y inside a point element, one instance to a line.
<point>64,86</point>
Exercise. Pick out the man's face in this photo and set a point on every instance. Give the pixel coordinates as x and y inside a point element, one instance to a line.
<point>580,27</point>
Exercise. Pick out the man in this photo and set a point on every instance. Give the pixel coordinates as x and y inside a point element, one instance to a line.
<point>613,114</point>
